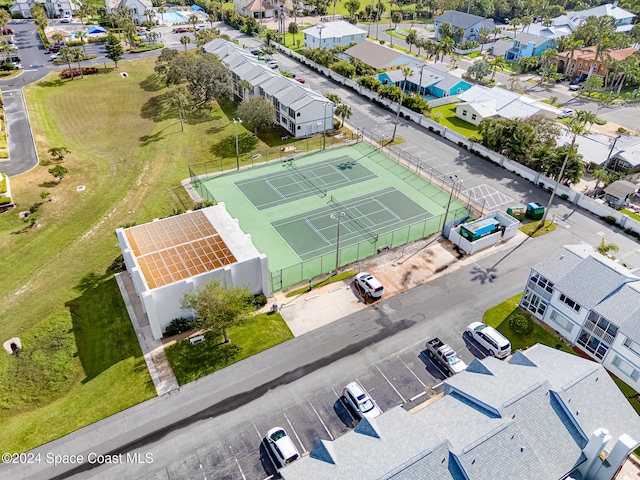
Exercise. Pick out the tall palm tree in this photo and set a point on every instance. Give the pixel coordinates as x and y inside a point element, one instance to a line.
<point>193,20</point>
<point>515,23</point>
<point>65,54</point>
<point>81,35</point>
<point>497,63</point>
<point>446,47</point>
<point>406,73</point>
<point>180,99</point>
<point>161,11</point>
<point>150,13</point>
<point>212,17</point>
<point>57,37</point>
<point>78,55</point>
<point>185,40</point>
<point>483,37</point>
<point>525,22</point>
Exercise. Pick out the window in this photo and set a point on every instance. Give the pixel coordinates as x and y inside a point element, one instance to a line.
<point>597,335</point>
<point>566,300</point>
<point>541,285</point>
<point>464,113</point>
<point>562,321</point>
<point>298,114</point>
<point>298,127</point>
<point>626,368</point>
<point>534,303</point>
<point>633,346</point>
<point>473,117</point>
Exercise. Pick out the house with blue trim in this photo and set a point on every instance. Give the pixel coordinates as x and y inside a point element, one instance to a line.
<point>527,45</point>
<point>426,80</point>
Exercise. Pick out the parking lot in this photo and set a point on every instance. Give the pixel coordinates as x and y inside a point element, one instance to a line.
<point>310,413</point>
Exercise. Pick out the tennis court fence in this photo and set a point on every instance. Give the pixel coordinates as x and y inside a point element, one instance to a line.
<point>301,272</point>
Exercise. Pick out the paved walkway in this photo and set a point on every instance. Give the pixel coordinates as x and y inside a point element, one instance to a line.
<point>153,350</point>
<point>22,148</point>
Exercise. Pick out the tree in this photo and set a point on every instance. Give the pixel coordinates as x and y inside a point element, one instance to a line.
<point>344,68</point>
<point>483,37</point>
<point>77,55</point>
<point>193,20</point>
<point>113,49</point>
<point>80,35</point>
<point>67,56</point>
<point>406,73</point>
<point>604,248</point>
<point>396,18</point>
<point>446,47</point>
<point>216,307</point>
<point>334,98</point>
<point>180,100</point>
<point>352,6</point>
<point>257,112</point>
<point>57,37</point>
<point>212,17</point>
<point>293,29</point>
<point>185,40</point>
<point>58,172</point>
<point>411,38</point>
<point>458,34</point>
<point>479,69</point>
<point>161,11</point>
<point>593,83</point>
<point>268,50</point>
<point>58,153</point>
<point>208,79</point>
<point>343,111</point>
<point>497,63</point>
<point>445,31</point>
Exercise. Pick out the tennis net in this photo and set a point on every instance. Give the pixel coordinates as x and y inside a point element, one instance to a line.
<point>368,231</point>
<point>320,191</point>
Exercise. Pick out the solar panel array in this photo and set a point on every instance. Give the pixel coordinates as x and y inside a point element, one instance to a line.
<point>178,247</point>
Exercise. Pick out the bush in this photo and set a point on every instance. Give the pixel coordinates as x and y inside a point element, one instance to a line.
<point>178,325</point>
<point>564,196</point>
<point>520,323</point>
<point>3,182</point>
<point>76,72</point>
<point>5,200</point>
<point>259,300</point>
<point>4,154</point>
<point>147,48</point>
<point>610,220</point>
<point>336,124</point>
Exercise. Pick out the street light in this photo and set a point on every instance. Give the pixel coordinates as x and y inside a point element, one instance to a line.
<point>320,26</point>
<point>420,86</point>
<point>236,121</point>
<point>337,216</point>
<point>324,126</point>
<point>454,181</point>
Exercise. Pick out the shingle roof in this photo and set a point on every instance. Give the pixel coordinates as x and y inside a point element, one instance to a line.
<point>458,19</point>
<point>525,38</point>
<point>546,404</point>
<point>337,29</point>
<point>623,306</point>
<point>620,188</point>
<point>372,54</point>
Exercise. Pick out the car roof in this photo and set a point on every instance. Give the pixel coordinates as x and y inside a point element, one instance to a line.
<point>285,444</point>
<point>475,325</point>
<point>356,389</point>
<point>370,278</point>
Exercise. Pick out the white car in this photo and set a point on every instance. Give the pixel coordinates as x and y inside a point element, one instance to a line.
<point>360,401</point>
<point>576,87</point>
<point>282,446</point>
<point>369,285</point>
<point>55,55</point>
<point>491,339</point>
<point>272,64</point>
<point>66,19</point>
<point>565,113</point>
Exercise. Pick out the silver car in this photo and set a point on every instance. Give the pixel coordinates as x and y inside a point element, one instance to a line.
<point>360,401</point>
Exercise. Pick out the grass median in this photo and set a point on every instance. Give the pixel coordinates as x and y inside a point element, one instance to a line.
<point>81,361</point>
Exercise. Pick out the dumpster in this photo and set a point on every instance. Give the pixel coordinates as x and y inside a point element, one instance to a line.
<point>517,211</point>
<point>480,228</point>
<point>535,211</point>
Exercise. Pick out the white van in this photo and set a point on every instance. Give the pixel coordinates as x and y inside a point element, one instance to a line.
<point>491,339</point>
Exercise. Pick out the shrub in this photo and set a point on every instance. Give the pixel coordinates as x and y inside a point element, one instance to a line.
<point>178,325</point>
<point>4,154</point>
<point>520,322</point>
<point>610,220</point>
<point>564,196</point>
<point>146,48</point>
<point>259,300</point>
<point>76,72</point>
<point>3,182</point>
<point>5,200</point>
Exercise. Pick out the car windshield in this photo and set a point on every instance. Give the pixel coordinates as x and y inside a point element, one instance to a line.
<point>366,405</point>
<point>278,435</point>
<point>453,359</point>
<point>481,327</point>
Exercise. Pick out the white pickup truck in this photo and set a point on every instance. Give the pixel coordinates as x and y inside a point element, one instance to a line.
<point>445,356</point>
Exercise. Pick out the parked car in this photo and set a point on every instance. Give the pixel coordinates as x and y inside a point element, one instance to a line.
<point>180,30</point>
<point>55,56</point>
<point>369,285</point>
<point>565,113</point>
<point>491,339</point>
<point>445,356</point>
<point>272,64</point>
<point>200,27</point>
<point>281,446</point>
<point>6,31</point>
<point>66,19</point>
<point>360,401</point>
<point>255,52</point>
<point>300,79</point>
<point>576,87</point>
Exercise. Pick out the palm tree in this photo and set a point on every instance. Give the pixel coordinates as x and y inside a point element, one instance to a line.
<point>81,35</point>
<point>213,17</point>
<point>525,21</point>
<point>150,13</point>
<point>4,18</point>
<point>152,37</point>
<point>185,40</point>
<point>446,47</point>
<point>57,37</point>
<point>515,23</point>
<point>161,11</point>
<point>604,248</point>
<point>455,58</point>
<point>193,20</point>
<point>406,72</point>
<point>268,50</point>
<point>77,55</point>
<point>411,39</point>
<point>343,111</point>
<point>497,63</point>
<point>483,37</point>
<point>65,54</point>
<point>431,48</point>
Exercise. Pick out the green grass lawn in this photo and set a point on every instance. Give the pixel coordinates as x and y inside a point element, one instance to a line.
<point>190,362</point>
<point>450,120</point>
<point>499,316</point>
<point>631,214</point>
<point>81,361</point>
<point>533,228</point>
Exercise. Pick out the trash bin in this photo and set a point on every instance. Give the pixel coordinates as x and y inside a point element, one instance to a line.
<point>274,308</point>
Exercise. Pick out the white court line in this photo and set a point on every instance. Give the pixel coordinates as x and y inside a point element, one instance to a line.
<point>317,231</point>
<point>412,373</point>
<point>272,186</point>
<point>240,468</point>
<point>204,475</point>
<point>394,388</point>
<point>295,433</point>
<point>318,415</point>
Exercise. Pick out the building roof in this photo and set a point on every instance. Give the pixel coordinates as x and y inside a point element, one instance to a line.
<point>620,188</point>
<point>628,150</point>
<point>337,29</point>
<point>458,19</point>
<point>507,104</point>
<point>259,6</point>
<point>528,418</point>
<point>548,31</point>
<point>485,108</point>
<point>608,10</point>
<point>589,53</point>
<point>525,38</point>
<point>375,55</point>
<point>178,247</point>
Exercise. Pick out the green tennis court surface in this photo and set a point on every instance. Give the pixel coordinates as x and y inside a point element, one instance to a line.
<point>298,182</point>
<point>314,234</point>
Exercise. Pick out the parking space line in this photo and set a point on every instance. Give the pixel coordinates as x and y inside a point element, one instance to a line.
<point>204,475</point>
<point>437,385</point>
<point>257,431</point>
<point>415,397</point>
<point>240,468</point>
<point>409,368</point>
<point>320,418</point>
<point>334,391</point>
<point>394,388</point>
<point>295,433</point>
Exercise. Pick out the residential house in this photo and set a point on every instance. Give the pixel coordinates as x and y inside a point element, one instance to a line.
<point>471,24</point>
<point>593,302</point>
<point>527,45</point>
<point>619,193</point>
<point>377,56</point>
<point>255,8</point>
<point>428,80</point>
<point>626,155</point>
<point>548,31</point>
<point>620,153</point>
<point>543,414</point>
<point>331,34</point>
<point>53,8</point>
<point>572,20</point>
<point>138,8</point>
<point>481,102</point>
<point>584,62</point>
<point>299,110</point>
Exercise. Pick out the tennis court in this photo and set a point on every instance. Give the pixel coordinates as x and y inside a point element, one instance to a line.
<point>314,234</point>
<point>298,182</point>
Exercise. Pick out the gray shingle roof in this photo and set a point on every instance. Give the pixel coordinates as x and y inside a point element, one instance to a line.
<point>623,309</point>
<point>558,265</point>
<point>373,55</point>
<point>548,403</point>
<point>459,19</point>
<point>525,38</point>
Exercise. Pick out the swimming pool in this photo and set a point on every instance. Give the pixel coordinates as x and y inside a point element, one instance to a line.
<point>172,17</point>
